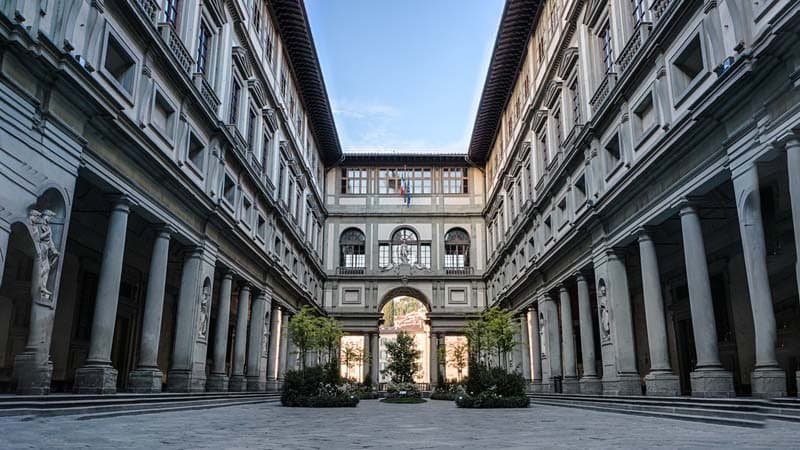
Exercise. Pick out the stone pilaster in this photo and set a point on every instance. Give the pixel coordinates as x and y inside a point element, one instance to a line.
<point>570,382</point>
<point>5,233</point>
<point>147,376</point>
<point>218,380</point>
<point>536,350</point>
<point>768,379</point>
<point>551,337</point>
<point>187,371</point>
<point>276,318</point>
<point>628,382</point>
<point>524,347</point>
<point>434,359</point>
<point>283,354</point>
<point>259,332</point>
<point>708,379</point>
<point>660,381</point>
<point>589,382</point>
<point>97,376</point>
<point>237,380</point>
<point>375,342</point>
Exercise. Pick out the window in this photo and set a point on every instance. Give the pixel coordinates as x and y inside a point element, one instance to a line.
<point>562,212</point>
<point>456,249</point>
<point>639,11</point>
<point>281,178</point>
<point>689,65</point>
<point>384,258</point>
<point>557,125</point>
<point>196,154</point>
<point>162,116</point>
<point>580,190</point>
<point>172,13</point>
<point>247,211</point>
<point>455,180</point>
<point>548,228</point>
<point>262,158</point>
<point>251,128</point>
<point>543,147</point>
<point>405,246</point>
<point>575,100</point>
<point>233,116</point>
<point>203,38</point>
<point>229,190</point>
<point>613,155</point>
<point>644,117</point>
<point>391,180</point>
<point>354,181</point>
<point>277,246</point>
<point>297,204</point>
<point>261,227</point>
<point>608,49</point>
<point>120,65</point>
<point>425,255</point>
<point>352,245</point>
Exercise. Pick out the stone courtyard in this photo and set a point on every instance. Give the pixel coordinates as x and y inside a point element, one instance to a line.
<point>435,424</point>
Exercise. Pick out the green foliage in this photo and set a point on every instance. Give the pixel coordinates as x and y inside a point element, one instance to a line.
<point>403,400</point>
<point>352,355</point>
<point>318,386</point>
<point>447,391</point>
<point>487,400</point>
<point>491,337</point>
<point>399,390</point>
<point>403,356</point>
<point>457,358</point>
<point>494,379</point>
<point>310,333</point>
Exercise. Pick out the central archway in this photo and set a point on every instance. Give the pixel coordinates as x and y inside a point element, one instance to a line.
<point>405,310</point>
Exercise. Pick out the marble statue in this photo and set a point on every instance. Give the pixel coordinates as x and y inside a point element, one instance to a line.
<point>46,251</point>
<point>605,320</point>
<point>204,307</point>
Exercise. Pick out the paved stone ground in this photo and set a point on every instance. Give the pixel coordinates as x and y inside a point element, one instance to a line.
<point>436,424</point>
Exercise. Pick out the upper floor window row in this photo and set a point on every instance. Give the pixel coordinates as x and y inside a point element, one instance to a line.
<point>418,180</point>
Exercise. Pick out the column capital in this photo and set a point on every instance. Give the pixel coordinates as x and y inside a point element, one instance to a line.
<point>579,276</point>
<point>163,230</point>
<point>193,251</point>
<point>245,287</point>
<point>793,142</point>
<point>615,253</point>
<point>120,202</point>
<point>545,297</point>
<point>643,233</point>
<point>562,288</point>
<point>227,274</point>
<point>686,205</point>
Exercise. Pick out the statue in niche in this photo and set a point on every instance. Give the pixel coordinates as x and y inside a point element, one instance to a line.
<point>265,340</point>
<point>46,252</point>
<point>605,320</point>
<point>205,301</point>
<point>405,252</point>
<point>542,341</point>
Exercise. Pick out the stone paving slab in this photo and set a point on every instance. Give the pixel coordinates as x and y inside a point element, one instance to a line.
<point>436,424</point>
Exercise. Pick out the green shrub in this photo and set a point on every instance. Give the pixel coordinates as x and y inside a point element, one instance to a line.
<point>447,390</point>
<point>318,386</point>
<point>403,400</point>
<point>440,395</point>
<point>496,380</point>
<point>490,400</point>
<point>402,390</point>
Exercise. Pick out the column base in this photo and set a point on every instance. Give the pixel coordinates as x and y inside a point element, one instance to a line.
<point>185,381</point>
<point>716,383</point>
<point>33,375</point>
<point>272,384</point>
<point>96,380</point>
<point>237,383</point>
<point>624,384</point>
<point>570,386</point>
<point>662,384</point>
<point>591,386</point>
<point>145,380</point>
<point>768,383</point>
<point>256,384</point>
<point>217,382</point>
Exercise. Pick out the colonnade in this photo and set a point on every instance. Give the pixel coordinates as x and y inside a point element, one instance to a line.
<point>620,375</point>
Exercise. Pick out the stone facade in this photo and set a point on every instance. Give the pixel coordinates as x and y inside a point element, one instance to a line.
<point>173,192</point>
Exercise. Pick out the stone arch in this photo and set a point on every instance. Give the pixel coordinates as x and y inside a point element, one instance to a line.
<point>406,291</point>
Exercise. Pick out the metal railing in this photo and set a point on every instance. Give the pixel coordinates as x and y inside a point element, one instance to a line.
<point>350,270</point>
<point>459,270</point>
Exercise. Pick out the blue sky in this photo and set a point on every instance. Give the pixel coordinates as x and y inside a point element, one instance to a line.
<point>404,75</point>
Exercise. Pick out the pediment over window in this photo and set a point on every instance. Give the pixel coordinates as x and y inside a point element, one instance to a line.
<point>270,119</point>
<point>553,92</point>
<point>242,61</point>
<point>539,118</point>
<point>568,61</point>
<point>594,11</point>
<point>257,91</point>
<point>216,11</point>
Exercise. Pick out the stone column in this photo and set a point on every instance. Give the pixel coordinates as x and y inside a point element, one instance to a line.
<point>274,347</point>
<point>589,382</point>
<point>187,371</point>
<point>570,383</point>
<point>375,342</point>
<point>147,377</point>
<point>97,376</point>
<point>536,349</point>
<point>237,381</point>
<point>367,367</point>
<point>768,379</point>
<point>709,379</point>
<point>551,337</point>
<point>256,377</point>
<point>524,347</point>
<point>793,164</point>
<point>5,233</point>
<point>284,350</point>
<point>660,381</point>
<point>434,362</point>
<point>218,380</point>
<point>628,382</point>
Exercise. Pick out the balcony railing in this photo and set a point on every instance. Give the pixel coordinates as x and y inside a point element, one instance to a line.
<point>206,91</point>
<point>603,90</point>
<point>176,46</point>
<point>633,46</point>
<point>459,271</point>
<point>149,8</point>
<point>350,271</point>
<point>658,7</point>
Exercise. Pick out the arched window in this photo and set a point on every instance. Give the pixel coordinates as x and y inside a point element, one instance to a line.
<point>351,244</point>
<point>456,250</point>
<point>405,246</point>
